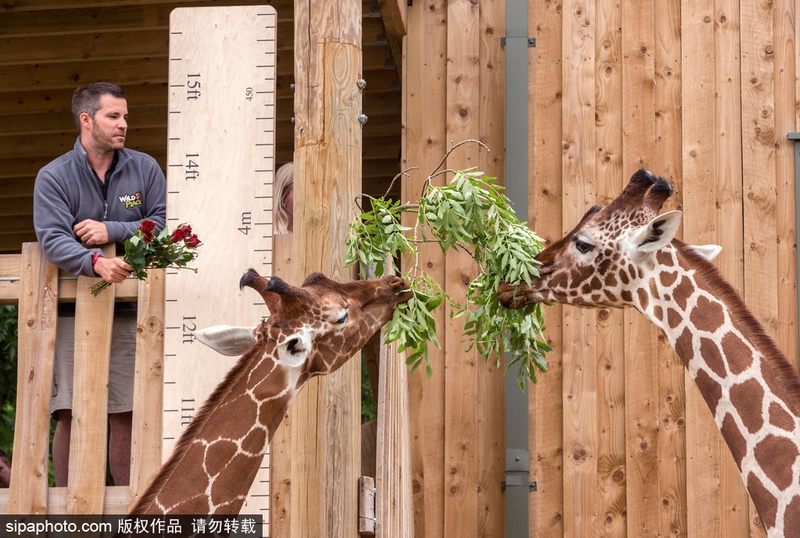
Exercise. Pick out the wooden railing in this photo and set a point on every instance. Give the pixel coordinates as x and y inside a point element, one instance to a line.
<point>37,286</point>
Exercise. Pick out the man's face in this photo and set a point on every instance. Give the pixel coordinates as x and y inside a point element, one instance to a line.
<point>110,124</point>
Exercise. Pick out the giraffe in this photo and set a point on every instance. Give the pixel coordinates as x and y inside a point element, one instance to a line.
<point>625,254</point>
<point>311,330</point>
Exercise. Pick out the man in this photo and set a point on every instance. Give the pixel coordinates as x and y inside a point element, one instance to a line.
<point>96,194</point>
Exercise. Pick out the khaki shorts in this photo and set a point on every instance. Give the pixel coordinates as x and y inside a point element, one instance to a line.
<point>120,377</point>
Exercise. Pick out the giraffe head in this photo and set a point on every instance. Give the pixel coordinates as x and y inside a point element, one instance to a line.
<point>316,327</point>
<point>604,259</point>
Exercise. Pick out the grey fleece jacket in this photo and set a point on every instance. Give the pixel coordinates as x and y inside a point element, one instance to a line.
<point>67,192</point>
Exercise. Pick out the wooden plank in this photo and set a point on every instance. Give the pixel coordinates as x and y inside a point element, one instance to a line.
<point>760,149</point>
<point>545,196</point>
<point>491,432</point>
<point>280,447</point>
<point>668,158</point>
<point>787,70</point>
<point>327,166</point>
<point>148,384</point>
<point>424,119</point>
<point>581,502</point>
<point>94,318</point>
<point>703,473</point>
<point>38,296</point>
<point>611,457</point>
<point>641,372</point>
<point>461,381</point>
<point>393,506</point>
<point>115,500</point>
<point>217,136</point>
<point>735,519</point>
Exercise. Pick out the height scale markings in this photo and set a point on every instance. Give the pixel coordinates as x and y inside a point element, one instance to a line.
<point>220,171</point>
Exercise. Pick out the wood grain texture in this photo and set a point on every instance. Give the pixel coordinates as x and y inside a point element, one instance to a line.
<point>425,142</point>
<point>545,200</point>
<point>148,384</point>
<point>88,443</point>
<point>38,304</point>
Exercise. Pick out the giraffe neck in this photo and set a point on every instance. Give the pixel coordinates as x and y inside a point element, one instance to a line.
<point>750,387</point>
<point>217,458</point>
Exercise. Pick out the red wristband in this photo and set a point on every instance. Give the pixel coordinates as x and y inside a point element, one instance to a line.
<point>94,257</point>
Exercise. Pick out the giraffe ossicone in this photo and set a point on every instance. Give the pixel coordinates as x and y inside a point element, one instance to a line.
<point>626,254</point>
<point>311,330</point>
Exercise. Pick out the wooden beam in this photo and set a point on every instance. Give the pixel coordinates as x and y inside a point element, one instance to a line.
<point>326,415</point>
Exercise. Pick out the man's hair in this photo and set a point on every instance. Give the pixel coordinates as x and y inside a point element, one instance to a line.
<point>87,99</point>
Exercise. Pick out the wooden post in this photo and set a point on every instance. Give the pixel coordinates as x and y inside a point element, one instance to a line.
<point>94,317</point>
<point>326,414</point>
<point>148,384</point>
<point>38,302</point>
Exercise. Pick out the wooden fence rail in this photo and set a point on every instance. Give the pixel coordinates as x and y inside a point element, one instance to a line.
<point>36,284</point>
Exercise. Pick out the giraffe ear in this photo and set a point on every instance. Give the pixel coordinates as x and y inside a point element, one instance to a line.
<point>294,351</point>
<point>709,252</point>
<point>658,232</point>
<point>227,340</point>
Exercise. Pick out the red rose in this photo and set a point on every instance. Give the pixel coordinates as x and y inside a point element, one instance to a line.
<point>147,226</point>
<point>192,241</point>
<point>181,232</point>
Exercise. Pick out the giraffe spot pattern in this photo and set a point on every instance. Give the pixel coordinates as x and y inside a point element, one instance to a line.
<point>779,418</point>
<point>770,454</point>
<point>712,356</point>
<point>747,398</point>
<point>734,346</point>
<point>706,315</point>
<point>763,498</point>
<point>712,391</point>
<point>735,439</point>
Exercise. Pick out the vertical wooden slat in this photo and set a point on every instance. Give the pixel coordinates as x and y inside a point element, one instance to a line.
<point>87,452</point>
<point>727,230</point>
<point>641,348</point>
<point>327,166</point>
<point>424,144</point>
<point>461,382</point>
<point>671,402</point>
<point>38,305</point>
<point>702,440</point>
<point>580,381</point>
<point>545,194</point>
<point>280,447</point>
<point>787,51</point>
<point>759,166</point>
<point>610,367</point>
<point>393,507</point>
<point>491,382</point>
<point>148,384</point>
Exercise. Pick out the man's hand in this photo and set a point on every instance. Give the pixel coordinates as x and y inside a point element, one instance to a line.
<point>112,270</point>
<point>91,232</point>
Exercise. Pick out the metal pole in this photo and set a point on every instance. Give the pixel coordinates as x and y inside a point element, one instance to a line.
<point>517,482</point>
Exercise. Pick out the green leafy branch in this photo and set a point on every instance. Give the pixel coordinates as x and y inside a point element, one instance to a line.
<point>471,213</point>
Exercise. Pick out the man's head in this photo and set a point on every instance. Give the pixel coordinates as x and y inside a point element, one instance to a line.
<point>100,111</point>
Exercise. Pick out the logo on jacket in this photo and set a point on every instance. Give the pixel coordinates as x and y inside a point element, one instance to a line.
<point>131,200</point>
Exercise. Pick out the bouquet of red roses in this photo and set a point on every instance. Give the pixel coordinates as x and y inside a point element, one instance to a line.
<point>145,250</point>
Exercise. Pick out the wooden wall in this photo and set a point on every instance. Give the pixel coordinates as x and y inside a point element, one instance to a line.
<point>453,87</point>
<point>702,92</point>
<point>49,47</point>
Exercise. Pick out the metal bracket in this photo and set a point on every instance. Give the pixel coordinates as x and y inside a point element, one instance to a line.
<point>531,42</point>
<point>518,465</point>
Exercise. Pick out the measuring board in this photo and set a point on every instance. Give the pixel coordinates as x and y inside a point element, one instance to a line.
<point>220,170</point>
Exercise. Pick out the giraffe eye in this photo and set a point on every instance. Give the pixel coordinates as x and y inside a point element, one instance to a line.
<point>582,246</point>
<point>342,319</point>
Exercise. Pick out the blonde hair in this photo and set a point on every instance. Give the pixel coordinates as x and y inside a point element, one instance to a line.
<point>284,182</point>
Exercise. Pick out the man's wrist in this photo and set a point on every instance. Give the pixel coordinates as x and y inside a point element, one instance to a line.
<point>95,257</point>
